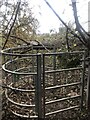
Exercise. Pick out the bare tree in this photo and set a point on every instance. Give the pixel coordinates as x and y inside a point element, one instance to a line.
<point>18,23</point>
<point>84,35</point>
<point>18,7</point>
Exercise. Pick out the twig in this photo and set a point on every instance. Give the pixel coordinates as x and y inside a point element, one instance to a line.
<point>77,21</point>
<point>9,21</point>
<point>43,45</point>
<point>67,40</point>
<point>79,27</point>
<point>20,39</point>
<point>65,23</point>
<point>18,6</point>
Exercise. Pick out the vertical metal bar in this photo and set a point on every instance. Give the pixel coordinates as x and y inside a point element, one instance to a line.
<point>11,59</point>
<point>82,80</point>
<point>43,82</point>
<point>36,94</point>
<point>3,62</point>
<point>0,85</point>
<point>39,88</point>
<point>33,61</point>
<point>14,78</point>
<point>54,67</point>
<point>88,86</point>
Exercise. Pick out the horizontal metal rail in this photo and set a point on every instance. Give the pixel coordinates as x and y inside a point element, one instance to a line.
<point>15,103</point>
<point>18,55</point>
<point>24,116</point>
<point>40,85</point>
<point>62,110</point>
<point>6,52</point>
<point>60,53</point>
<point>17,48</point>
<point>61,70</point>
<point>63,99</point>
<point>18,73</point>
<point>64,85</point>
<point>23,68</point>
<point>18,89</point>
<point>17,70</point>
<point>29,46</point>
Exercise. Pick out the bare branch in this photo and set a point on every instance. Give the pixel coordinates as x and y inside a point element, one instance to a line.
<point>77,21</point>
<point>9,21</point>
<point>72,32</point>
<point>67,40</point>
<point>24,24</point>
<point>12,36</point>
<point>18,6</point>
<point>42,45</point>
<point>79,27</point>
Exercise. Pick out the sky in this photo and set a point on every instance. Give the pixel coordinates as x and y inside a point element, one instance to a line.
<point>48,20</point>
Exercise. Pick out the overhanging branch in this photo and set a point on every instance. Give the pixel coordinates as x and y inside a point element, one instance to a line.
<point>79,27</point>
<point>77,21</point>
<point>18,6</point>
<point>72,32</point>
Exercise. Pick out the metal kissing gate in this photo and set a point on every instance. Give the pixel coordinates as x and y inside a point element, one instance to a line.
<point>44,85</point>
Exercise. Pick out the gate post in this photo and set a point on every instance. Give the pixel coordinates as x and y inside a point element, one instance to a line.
<point>54,67</point>
<point>38,88</point>
<point>82,79</point>
<point>43,83</point>
<point>88,86</point>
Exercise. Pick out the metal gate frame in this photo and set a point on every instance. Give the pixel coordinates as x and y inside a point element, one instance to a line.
<point>40,89</point>
<point>81,83</point>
